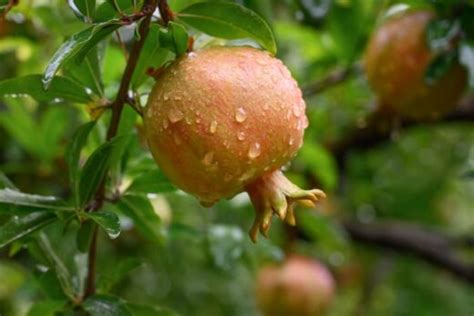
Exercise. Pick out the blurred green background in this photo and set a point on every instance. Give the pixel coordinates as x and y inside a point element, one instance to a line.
<point>204,263</point>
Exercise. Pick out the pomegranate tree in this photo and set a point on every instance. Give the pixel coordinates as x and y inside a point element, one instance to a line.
<point>396,61</point>
<point>300,286</point>
<point>224,120</point>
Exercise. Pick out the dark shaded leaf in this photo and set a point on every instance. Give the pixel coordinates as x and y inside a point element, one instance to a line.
<point>116,273</point>
<point>88,72</point>
<point>84,236</point>
<point>439,67</point>
<point>140,210</point>
<point>84,9</point>
<point>97,165</point>
<point>106,305</point>
<point>108,221</point>
<point>6,183</point>
<point>73,153</point>
<point>18,227</point>
<point>440,34</point>
<point>230,21</point>
<point>60,88</point>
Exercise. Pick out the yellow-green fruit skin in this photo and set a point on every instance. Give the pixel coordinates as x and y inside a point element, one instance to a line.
<point>396,61</point>
<point>219,118</point>
<point>300,286</point>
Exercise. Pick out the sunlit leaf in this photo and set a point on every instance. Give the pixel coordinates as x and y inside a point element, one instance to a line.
<point>41,201</point>
<point>60,88</point>
<point>230,21</point>
<point>77,46</point>
<point>153,181</point>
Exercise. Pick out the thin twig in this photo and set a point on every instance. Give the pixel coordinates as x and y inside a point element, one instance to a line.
<point>122,95</point>
<point>8,7</point>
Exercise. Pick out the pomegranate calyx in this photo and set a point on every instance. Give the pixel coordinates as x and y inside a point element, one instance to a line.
<point>272,194</point>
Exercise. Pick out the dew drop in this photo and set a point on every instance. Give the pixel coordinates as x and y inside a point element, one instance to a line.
<point>166,96</point>
<point>198,120</point>
<point>177,97</point>
<point>254,151</point>
<point>165,123</point>
<point>175,115</point>
<point>192,55</point>
<point>213,127</point>
<point>208,158</point>
<point>241,136</point>
<point>291,141</point>
<point>240,115</point>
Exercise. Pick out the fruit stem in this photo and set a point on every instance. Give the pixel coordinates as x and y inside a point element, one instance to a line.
<point>117,108</point>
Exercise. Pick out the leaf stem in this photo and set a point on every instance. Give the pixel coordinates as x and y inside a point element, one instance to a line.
<point>122,95</point>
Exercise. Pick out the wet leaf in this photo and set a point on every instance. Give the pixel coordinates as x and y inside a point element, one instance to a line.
<point>229,21</point>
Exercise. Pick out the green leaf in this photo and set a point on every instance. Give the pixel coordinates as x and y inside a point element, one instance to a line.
<point>19,198</point>
<point>112,9</point>
<point>46,308</point>
<point>6,183</point>
<point>148,310</point>
<point>63,274</point>
<point>84,9</point>
<point>97,165</point>
<point>117,272</point>
<point>180,38</point>
<point>106,305</point>
<point>440,34</point>
<point>73,153</point>
<point>230,21</point>
<point>153,181</point>
<point>466,57</point>
<point>140,210</point>
<point>18,227</point>
<point>469,175</point>
<point>60,88</point>
<point>321,164</point>
<point>108,221</point>
<point>77,46</point>
<point>439,67</point>
<point>84,236</point>
<point>152,56</point>
<point>88,72</point>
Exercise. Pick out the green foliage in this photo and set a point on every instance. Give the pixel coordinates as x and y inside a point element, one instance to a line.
<point>64,180</point>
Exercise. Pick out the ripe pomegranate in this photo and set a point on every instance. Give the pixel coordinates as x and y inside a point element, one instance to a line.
<point>299,287</point>
<point>224,120</point>
<point>396,60</point>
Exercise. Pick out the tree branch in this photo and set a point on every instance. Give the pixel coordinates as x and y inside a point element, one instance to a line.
<point>117,107</point>
<point>334,78</point>
<point>429,246</point>
<point>379,129</point>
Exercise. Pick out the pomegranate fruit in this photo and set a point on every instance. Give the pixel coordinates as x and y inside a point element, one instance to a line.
<point>224,120</point>
<point>299,287</point>
<point>396,60</point>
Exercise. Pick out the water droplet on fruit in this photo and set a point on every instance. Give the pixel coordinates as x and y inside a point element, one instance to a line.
<point>177,97</point>
<point>208,158</point>
<point>241,136</point>
<point>254,151</point>
<point>166,96</point>
<point>240,115</point>
<point>192,55</point>
<point>213,127</point>
<point>165,123</point>
<point>175,115</point>
<point>291,141</point>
